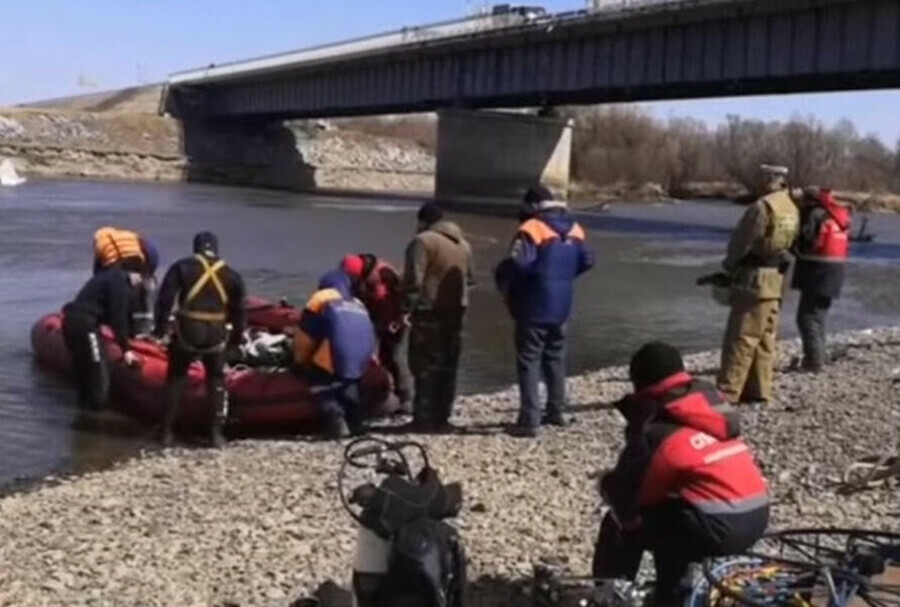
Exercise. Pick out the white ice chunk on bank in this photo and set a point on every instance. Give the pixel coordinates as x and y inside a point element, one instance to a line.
<point>8,174</point>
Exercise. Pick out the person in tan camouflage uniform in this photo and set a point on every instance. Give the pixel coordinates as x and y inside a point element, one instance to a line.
<point>757,260</point>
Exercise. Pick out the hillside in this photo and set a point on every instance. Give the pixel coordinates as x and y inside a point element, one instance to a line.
<point>135,99</point>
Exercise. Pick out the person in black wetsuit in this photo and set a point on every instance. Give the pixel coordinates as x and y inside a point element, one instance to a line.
<point>210,297</point>
<point>106,299</point>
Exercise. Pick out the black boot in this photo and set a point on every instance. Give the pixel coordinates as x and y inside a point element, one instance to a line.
<point>555,419</point>
<point>220,415</point>
<point>173,404</point>
<point>336,428</point>
<point>166,437</point>
<point>217,436</point>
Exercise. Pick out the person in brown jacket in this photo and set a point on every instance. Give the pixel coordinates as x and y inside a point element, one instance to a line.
<point>436,281</point>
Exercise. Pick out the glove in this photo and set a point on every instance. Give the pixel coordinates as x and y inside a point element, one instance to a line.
<point>719,279</point>
<point>131,359</point>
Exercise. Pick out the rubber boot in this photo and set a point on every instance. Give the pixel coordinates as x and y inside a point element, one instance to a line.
<point>336,427</point>
<point>217,436</point>
<point>220,416</point>
<point>173,404</point>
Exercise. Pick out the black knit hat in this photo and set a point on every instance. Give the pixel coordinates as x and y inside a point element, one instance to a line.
<point>206,243</point>
<point>430,213</point>
<point>537,194</point>
<point>653,363</point>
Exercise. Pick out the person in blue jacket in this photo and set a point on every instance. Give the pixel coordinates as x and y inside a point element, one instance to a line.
<point>537,280</point>
<point>333,347</point>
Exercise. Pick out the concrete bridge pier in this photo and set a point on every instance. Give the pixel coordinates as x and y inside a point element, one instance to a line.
<point>249,152</point>
<point>491,158</point>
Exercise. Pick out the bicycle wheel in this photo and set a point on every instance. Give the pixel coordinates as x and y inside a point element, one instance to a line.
<point>811,568</point>
<point>750,581</point>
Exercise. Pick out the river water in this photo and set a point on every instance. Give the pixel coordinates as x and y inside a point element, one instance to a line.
<point>642,288</point>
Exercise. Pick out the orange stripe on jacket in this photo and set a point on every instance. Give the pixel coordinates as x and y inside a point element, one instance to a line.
<point>307,350</point>
<point>540,233</point>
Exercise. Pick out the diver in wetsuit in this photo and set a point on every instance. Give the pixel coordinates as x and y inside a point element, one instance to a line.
<point>106,299</point>
<point>210,317</point>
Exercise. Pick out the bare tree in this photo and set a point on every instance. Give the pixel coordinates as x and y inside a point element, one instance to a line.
<point>622,145</point>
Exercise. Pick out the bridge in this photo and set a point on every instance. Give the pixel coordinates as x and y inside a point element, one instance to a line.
<point>662,51</point>
<point>526,58</point>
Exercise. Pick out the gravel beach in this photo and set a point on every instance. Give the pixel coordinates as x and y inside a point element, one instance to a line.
<point>259,523</point>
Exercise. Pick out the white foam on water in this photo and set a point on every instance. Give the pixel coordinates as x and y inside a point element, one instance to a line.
<point>362,206</point>
<point>681,261</point>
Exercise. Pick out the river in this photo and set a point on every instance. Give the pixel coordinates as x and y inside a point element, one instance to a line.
<point>642,288</point>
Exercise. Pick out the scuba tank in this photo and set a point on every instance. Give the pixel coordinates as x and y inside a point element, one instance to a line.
<point>406,555</point>
<point>142,311</point>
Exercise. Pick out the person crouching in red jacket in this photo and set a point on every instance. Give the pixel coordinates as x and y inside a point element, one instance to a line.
<point>377,285</point>
<point>686,486</point>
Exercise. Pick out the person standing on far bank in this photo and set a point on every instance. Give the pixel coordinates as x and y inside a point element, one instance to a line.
<point>757,260</point>
<point>821,252</point>
<point>436,280</point>
<point>536,279</point>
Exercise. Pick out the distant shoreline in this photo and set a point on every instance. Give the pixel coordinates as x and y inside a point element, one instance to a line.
<point>143,147</point>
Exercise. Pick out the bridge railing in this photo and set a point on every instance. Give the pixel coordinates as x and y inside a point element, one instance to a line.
<point>431,33</point>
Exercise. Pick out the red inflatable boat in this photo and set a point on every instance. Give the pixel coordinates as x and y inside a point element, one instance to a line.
<point>260,399</point>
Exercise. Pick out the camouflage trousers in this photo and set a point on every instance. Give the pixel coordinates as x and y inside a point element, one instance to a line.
<point>435,343</point>
<point>748,354</point>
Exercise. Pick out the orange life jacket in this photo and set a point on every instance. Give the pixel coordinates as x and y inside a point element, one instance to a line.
<point>112,245</point>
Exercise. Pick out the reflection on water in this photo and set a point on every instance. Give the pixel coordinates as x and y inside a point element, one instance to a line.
<point>642,288</point>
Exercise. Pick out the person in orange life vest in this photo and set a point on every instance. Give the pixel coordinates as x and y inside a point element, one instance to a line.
<point>333,347</point>
<point>686,486</point>
<point>537,281</point>
<point>377,285</point>
<point>114,246</point>
<point>134,253</point>
<point>821,253</point>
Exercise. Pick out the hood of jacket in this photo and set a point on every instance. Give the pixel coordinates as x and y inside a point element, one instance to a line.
<point>687,402</point>
<point>448,229</point>
<point>559,220</point>
<point>337,280</point>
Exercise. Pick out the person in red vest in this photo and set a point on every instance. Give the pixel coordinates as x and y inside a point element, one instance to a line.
<point>686,486</point>
<point>821,252</point>
<point>377,285</point>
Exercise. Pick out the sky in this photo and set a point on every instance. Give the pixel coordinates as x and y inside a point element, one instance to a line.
<point>52,48</point>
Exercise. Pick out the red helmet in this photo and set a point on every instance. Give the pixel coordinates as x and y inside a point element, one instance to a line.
<point>353,266</point>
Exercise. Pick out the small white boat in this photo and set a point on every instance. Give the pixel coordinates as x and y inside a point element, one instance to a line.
<point>8,174</point>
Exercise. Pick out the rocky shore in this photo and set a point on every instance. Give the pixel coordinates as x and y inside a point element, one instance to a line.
<point>259,523</point>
